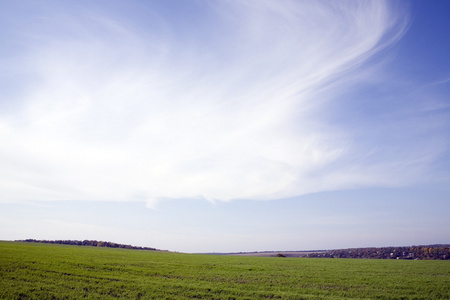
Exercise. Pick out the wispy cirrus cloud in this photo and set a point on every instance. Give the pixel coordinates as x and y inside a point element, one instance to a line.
<point>232,106</point>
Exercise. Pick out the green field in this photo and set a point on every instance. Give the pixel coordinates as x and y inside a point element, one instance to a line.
<point>48,271</point>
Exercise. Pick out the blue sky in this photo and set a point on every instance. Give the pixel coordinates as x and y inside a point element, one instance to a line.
<point>222,126</point>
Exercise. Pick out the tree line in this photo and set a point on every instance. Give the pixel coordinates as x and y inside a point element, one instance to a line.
<point>93,243</point>
<point>441,252</point>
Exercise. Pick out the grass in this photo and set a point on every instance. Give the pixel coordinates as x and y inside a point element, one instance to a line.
<point>48,271</point>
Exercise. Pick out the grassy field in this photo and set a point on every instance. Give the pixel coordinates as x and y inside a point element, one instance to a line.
<point>48,271</point>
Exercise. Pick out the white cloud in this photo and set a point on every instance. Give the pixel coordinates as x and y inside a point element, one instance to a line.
<point>115,111</point>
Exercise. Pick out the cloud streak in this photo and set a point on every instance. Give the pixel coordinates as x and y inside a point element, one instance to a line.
<point>231,106</point>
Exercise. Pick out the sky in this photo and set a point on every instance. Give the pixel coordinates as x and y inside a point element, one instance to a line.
<point>226,126</point>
